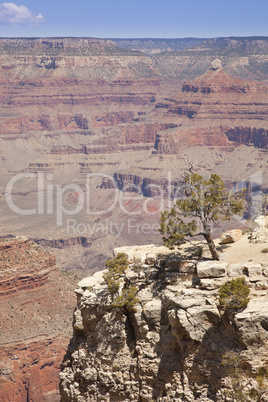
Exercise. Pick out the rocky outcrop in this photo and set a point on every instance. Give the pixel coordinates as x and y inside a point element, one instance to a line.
<point>231,236</point>
<point>62,243</point>
<point>249,136</point>
<point>142,185</point>
<point>170,346</point>
<point>215,109</point>
<point>143,133</point>
<point>19,273</point>
<point>241,57</point>
<point>29,369</point>
<point>35,315</point>
<point>174,141</point>
<point>216,80</point>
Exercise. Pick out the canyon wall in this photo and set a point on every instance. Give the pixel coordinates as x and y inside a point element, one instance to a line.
<point>170,345</point>
<point>75,107</point>
<point>36,307</point>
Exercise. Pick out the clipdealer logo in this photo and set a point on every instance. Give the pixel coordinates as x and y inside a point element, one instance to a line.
<point>51,201</point>
<point>51,198</point>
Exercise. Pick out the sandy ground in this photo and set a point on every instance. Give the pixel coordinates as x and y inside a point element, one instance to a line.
<point>244,251</point>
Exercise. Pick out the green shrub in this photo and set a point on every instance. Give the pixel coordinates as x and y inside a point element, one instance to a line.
<point>116,268</point>
<point>233,295</point>
<point>137,267</point>
<point>258,392</point>
<point>239,378</point>
<point>127,299</point>
<point>264,250</point>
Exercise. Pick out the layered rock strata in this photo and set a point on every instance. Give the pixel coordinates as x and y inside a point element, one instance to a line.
<point>171,345</point>
<point>35,321</point>
<point>215,109</point>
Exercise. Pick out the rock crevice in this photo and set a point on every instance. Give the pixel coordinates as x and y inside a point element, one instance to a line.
<point>170,346</point>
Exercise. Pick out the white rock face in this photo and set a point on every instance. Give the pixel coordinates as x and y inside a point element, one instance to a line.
<point>262,221</point>
<point>216,65</point>
<point>211,269</point>
<point>144,254</point>
<point>235,270</point>
<point>170,346</point>
<point>260,233</point>
<point>231,236</point>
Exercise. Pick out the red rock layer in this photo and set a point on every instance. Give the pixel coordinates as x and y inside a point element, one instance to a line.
<point>247,135</point>
<point>215,110</point>
<point>174,142</point>
<point>24,266</point>
<point>36,305</point>
<point>217,81</point>
<point>29,370</point>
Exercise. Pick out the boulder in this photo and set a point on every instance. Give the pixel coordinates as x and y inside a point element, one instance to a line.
<point>236,270</point>
<point>231,236</point>
<point>211,269</point>
<point>152,312</point>
<point>265,272</point>
<point>211,284</point>
<point>148,253</point>
<point>262,221</point>
<point>180,265</point>
<point>251,269</point>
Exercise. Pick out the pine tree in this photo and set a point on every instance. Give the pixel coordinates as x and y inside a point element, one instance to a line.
<point>206,202</point>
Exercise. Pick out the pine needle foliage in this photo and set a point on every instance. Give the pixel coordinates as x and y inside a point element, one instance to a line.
<point>116,269</point>
<point>233,295</point>
<point>127,299</point>
<point>204,202</point>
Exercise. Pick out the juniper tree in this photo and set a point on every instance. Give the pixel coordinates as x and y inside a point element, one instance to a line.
<point>203,203</point>
<point>234,296</point>
<point>116,270</point>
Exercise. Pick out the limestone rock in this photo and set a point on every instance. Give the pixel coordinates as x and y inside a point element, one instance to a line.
<point>170,346</point>
<point>211,283</point>
<point>236,270</point>
<point>251,269</point>
<point>216,65</point>
<point>147,254</point>
<point>231,236</point>
<point>152,312</point>
<point>211,269</point>
<point>262,221</point>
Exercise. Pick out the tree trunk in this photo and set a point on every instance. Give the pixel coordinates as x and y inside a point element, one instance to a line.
<point>212,247</point>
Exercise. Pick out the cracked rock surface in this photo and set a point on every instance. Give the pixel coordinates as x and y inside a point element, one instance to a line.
<point>170,347</point>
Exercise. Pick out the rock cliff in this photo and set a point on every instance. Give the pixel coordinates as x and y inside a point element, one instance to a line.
<point>171,345</point>
<point>215,109</point>
<point>35,315</point>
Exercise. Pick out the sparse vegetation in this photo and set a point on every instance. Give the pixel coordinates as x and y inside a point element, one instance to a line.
<point>237,392</point>
<point>264,250</point>
<point>137,267</point>
<point>241,389</point>
<point>234,296</point>
<point>262,385</point>
<point>127,299</point>
<point>116,269</point>
<point>206,202</point>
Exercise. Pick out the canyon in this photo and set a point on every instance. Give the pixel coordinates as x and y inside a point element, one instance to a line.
<point>36,302</point>
<point>94,139</point>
